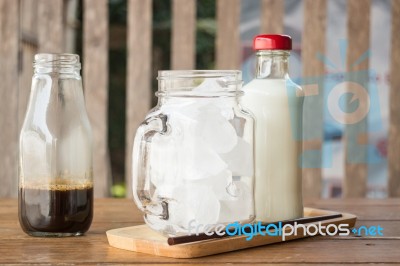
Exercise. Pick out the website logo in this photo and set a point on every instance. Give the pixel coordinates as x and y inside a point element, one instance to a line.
<point>284,231</point>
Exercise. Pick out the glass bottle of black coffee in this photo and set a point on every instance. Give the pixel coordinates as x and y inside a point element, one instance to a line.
<point>55,151</point>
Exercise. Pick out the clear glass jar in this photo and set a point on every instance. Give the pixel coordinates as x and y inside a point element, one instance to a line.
<point>193,155</point>
<point>55,151</point>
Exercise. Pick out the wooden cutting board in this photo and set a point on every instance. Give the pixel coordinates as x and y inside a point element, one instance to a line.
<point>143,239</point>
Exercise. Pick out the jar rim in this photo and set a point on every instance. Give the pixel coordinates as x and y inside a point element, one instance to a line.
<point>233,75</point>
<point>188,83</point>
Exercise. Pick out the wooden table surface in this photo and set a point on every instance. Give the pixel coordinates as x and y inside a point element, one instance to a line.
<point>18,248</point>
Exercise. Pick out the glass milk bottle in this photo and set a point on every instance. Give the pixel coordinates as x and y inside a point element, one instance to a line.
<point>55,151</point>
<point>277,105</point>
<point>193,154</point>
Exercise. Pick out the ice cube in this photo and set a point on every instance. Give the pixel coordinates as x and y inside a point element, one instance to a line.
<point>226,108</point>
<point>184,106</point>
<point>209,85</point>
<point>199,160</point>
<point>239,206</point>
<point>180,155</point>
<point>166,157</point>
<point>193,202</point>
<point>215,129</point>
<point>240,159</point>
<point>218,183</point>
<point>163,161</point>
<point>164,191</point>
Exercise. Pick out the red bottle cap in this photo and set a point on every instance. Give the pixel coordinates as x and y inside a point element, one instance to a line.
<point>272,42</point>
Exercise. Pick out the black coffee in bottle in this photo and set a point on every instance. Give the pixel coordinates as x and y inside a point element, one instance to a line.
<point>58,209</point>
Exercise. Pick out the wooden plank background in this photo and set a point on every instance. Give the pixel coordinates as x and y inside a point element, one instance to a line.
<point>183,52</point>
<point>9,37</point>
<point>28,49</point>
<point>50,30</point>
<point>95,73</point>
<point>358,32</point>
<point>272,16</point>
<point>394,128</point>
<point>138,94</point>
<point>227,53</point>
<point>313,42</point>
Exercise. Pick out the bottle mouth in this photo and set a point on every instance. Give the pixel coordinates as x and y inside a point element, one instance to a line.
<point>63,63</point>
<point>199,83</point>
<point>273,52</point>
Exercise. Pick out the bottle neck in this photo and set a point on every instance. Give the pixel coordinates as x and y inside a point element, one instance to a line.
<point>68,64</point>
<point>57,82</point>
<point>272,64</point>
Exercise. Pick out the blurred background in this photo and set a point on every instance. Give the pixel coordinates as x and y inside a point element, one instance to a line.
<point>123,44</point>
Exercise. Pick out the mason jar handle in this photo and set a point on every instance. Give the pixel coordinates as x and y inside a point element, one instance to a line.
<point>141,169</point>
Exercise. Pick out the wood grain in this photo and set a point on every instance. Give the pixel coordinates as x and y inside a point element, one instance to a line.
<point>18,248</point>
<point>313,42</point>
<point>51,30</point>
<point>70,25</point>
<point>183,48</point>
<point>228,54</point>
<point>358,31</point>
<point>9,12</point>
<point>272,16</point>
<point>394,128</point>
<point>138,75</point>
<point>28,49</point>
<point>95,77</point>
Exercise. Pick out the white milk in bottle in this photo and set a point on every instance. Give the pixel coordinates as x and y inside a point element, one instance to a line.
<point>277,105</point>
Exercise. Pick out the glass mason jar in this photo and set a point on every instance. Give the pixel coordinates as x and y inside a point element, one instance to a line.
<point>193,155</point>
<point>55,151</point>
